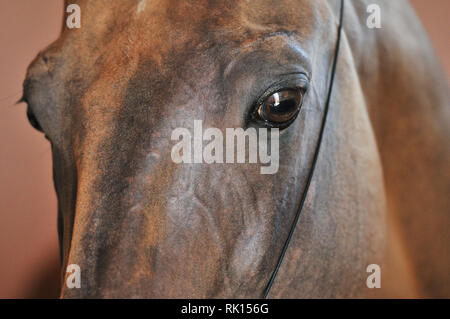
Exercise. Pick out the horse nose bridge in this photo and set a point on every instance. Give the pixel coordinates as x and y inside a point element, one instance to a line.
<point>113,185</point>
<point>123,177</point>
<point>126,226</point>
<point>116,234</point>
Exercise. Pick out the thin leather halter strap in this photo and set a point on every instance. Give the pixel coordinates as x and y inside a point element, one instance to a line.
<point>316,155</point>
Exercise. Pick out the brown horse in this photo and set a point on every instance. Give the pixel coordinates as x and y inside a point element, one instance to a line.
<point>109,95</point>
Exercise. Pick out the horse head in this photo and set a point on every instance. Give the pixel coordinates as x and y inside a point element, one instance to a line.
<point>110,94</point>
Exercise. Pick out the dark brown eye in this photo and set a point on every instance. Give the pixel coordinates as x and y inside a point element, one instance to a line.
<point>280,108</point>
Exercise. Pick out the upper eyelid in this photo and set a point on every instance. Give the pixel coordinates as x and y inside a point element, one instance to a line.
<point>301,80</point>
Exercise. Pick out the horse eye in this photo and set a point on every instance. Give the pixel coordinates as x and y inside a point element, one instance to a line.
<point>32,119</point>
<point>281,108</point>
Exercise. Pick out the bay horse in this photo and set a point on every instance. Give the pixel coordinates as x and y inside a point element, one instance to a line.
<point>109,94</point>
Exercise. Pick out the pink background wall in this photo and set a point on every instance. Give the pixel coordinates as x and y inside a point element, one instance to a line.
<point>29,258</point>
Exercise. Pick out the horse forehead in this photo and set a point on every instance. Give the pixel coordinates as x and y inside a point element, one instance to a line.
<point>157,36</point>
<point>162,22</point>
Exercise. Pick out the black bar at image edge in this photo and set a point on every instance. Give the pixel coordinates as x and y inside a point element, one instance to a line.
<point>221,308</point>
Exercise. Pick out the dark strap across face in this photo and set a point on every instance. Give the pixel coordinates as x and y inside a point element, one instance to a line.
<point>316,155</point>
